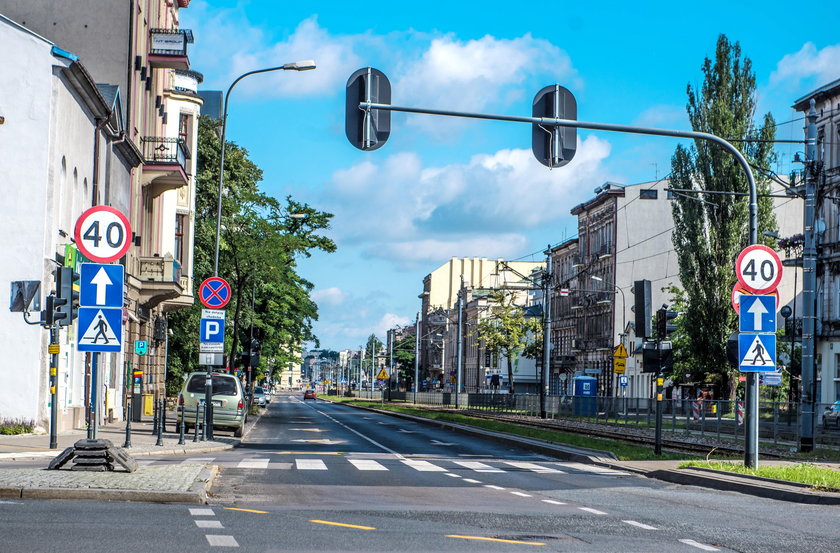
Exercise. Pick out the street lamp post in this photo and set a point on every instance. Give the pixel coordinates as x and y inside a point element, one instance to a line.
<point>296,66</point>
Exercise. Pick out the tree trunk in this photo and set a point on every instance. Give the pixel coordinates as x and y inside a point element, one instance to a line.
<point>510,373</point>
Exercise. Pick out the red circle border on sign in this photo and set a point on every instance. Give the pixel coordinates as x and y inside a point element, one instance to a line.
<point>77,232</point>
<point>206,282</point>
<point>773,254</point>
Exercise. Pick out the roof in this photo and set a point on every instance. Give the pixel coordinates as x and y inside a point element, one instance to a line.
<point>825,92</point>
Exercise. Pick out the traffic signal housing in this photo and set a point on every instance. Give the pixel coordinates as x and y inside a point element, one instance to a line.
<point>65,304</point>
<point>367,129</point>
<point>664,327</point>
<point>642,308</point>
<point>554,146</point>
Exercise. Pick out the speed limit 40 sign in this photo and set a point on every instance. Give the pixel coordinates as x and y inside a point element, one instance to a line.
<point>758,269</point>
<point>103,234</point>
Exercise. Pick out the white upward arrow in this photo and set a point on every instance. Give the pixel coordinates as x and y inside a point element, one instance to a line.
<point>101,281</point>
<point>757,309</point>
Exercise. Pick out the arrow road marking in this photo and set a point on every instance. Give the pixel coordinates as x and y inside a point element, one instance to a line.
<point>757,309</point>
<point>101,281</point>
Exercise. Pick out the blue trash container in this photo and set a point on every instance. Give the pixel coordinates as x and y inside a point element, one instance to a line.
<point>585,402</point>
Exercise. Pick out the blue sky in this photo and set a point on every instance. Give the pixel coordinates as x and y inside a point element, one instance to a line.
<point>444,187</point>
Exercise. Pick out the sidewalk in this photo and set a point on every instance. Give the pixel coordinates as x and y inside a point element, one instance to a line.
<point>184,483</point>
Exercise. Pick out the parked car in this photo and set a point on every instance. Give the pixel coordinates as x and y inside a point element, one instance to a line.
<point>259,396</point>
<point>831,417</point>
<point>228,401</point>
<point>268,394</point>
<point>309,394</point>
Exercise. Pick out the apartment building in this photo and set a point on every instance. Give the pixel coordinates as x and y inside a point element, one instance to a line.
<point>138,48</point>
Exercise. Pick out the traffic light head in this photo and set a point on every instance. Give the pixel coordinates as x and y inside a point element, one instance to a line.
<point>664,326</point>
<point>642,308</point>
<point>66,302</point>
<point>554,146</point>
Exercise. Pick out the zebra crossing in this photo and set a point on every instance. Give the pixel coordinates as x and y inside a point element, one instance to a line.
<point>380,464</point>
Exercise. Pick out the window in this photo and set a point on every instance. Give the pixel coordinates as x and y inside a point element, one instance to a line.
<point>180,223</point>
<point>648,194</point>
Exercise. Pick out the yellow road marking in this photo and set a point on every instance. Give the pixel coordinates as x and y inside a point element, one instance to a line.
<point>309,453</point>
<point>494,539</point>
<point>247,510</point>
<point>344,525</point>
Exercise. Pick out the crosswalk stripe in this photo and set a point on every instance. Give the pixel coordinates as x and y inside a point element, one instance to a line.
<point>221,541</point>
<point>366,464</point>
<point>253,464</point>
<point>534,467</point>
<point>201,512</point>
<point>310,464</point>
<point>604,471</point>
<point>478,467</point>
<point>422,466</point>
<point>197,460</point>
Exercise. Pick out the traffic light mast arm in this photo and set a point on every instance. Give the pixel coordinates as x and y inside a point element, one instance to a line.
<point>551,122</point>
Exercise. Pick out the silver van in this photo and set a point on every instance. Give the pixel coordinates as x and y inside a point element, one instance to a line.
<point>229,406</point>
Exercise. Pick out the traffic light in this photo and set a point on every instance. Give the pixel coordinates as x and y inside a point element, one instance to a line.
<point>48,313</point>
<point>642,308</point>
<point>554,146</point>
<point>664,328</point>
<point>367,129</point>
<point>255,349</point>
<point>67,296</point>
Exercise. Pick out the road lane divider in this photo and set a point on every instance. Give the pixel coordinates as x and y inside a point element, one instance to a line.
<point>483,538</point>
<point>343,525</point>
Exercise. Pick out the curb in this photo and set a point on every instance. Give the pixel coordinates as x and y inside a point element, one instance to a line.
<point>196,495</point>
<point>722,481</point>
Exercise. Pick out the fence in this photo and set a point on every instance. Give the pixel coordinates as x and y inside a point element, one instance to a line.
<point>719,419</point>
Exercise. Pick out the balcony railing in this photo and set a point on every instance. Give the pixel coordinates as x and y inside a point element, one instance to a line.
<point>162,150</point>
<point>160,269</point>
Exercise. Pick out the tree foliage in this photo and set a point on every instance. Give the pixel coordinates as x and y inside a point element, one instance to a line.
<point>258,250</point>
<point>710,229</point>
<point>507,331</point>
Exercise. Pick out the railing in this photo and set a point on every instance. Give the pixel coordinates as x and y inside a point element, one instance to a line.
<point>718,419</point>
<point>160,269</point>
<point>164,150</point>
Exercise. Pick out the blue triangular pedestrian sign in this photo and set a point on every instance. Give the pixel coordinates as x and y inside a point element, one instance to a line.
<point>757,352</point>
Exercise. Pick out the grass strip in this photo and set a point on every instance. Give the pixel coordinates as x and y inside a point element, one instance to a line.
<point>623,451</point>
<point>819,478</point>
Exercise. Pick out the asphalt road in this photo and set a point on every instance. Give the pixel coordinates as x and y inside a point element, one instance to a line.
<point>315,476</point>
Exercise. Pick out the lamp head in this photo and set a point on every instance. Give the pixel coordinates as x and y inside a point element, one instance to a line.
<point>303,65</point>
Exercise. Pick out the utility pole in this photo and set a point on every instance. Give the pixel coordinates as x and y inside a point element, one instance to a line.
<point>809,283</point>
<point>546,333</point>
<point>416,354</point>
<point>460,365</point>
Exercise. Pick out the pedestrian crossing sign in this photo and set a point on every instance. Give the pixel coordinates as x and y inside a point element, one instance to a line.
<point>757,352</point>
<point>100,329</point>
<point>382,375</point>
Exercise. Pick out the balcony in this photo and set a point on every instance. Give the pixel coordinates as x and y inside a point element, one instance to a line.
<point>160,280</point>
<point>164,163</point>
<point>168,48</point>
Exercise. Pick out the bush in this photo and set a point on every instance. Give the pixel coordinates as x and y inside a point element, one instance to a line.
<point>16,426</point>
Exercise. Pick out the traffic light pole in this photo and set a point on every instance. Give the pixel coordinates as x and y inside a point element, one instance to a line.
<point>54,386</point>
<point>751,437</point>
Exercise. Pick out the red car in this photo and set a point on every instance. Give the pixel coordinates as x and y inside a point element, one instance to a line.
<point>309,394</point>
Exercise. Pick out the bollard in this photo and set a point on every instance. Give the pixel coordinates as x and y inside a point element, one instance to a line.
<point>181,432</point>
<point>204,415</point>
<point>159,441</point>
<point>155,418</point>
<point>195,436</point>
<point>127,443</point>
<point>163,415</point>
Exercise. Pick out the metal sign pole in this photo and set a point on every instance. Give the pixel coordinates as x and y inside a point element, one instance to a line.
<point>54,386</point>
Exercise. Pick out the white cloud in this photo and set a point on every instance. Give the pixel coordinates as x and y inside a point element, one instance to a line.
<point>329,296</point>
<point>389,321</point>
<point>663,116</point>
<point>808,62</point>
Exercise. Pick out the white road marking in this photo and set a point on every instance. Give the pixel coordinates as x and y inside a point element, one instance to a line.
<point>423,466</point>
<point>404,431</point>
<point>366,464</point>
<point>604,471</point>
<point>591,510</point>
<point>521,494</point>
<point>310,464</point>
<point>208,524</point>
<point>534,467</point>
<point>699,545</point>
<point>639,525</point>
<point>553,502</point>
<point>221,541</point>
<point>201,512</point>
<point>471,481</point>
<point>436,442</point>
<point>478,467</point>
<point>253,464</point>
<point>453,475</point>
<point>492,487</point>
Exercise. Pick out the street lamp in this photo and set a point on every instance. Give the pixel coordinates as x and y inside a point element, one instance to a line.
<point>623,305</point>
<point>304,65</point>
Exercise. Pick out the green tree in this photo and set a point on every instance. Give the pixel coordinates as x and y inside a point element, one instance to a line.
<point>710,229</point>
<point>404,353</point>
<point>507,331</point>
<point>261,240</point>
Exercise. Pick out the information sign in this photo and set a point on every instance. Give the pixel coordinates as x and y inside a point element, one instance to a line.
<point>757,352</point>
<point>101,285</point>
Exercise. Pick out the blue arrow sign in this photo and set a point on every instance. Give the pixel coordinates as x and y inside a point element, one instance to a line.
<point>100,329</point>
<point>757,352</point>
<point>758,314</point>
<point>101,285</point>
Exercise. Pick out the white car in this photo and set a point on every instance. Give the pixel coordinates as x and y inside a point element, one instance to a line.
<point>259,397</point>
